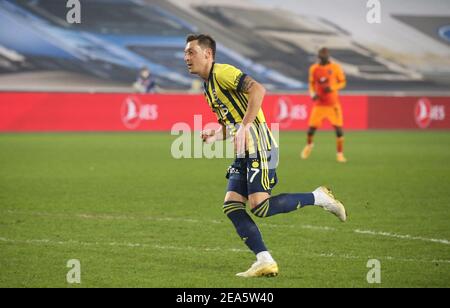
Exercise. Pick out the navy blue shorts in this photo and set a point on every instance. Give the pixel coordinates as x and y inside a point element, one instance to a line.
<point>254,173</point>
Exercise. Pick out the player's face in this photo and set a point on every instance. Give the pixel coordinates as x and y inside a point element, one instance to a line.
<point>323,56</point>
<point>195,57</point>
<point>145,73</point>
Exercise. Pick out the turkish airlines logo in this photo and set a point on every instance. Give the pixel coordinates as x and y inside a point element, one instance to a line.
<point>425,113</point>
<point>133,112</point>
<point>287,111</point>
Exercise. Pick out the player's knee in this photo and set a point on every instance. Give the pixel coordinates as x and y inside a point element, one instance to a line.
<point>253,204</point>
<point>339,132</point>
<point>312,131</point>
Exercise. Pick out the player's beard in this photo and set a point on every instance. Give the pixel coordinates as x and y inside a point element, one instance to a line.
<point>324,60</point>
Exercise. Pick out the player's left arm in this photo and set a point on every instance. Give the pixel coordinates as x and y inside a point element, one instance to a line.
<point>233,79</point>
<point>341,81</point>
<point>256,93</point>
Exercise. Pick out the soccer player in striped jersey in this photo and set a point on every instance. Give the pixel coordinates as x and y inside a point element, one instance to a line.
<point>236,99</point>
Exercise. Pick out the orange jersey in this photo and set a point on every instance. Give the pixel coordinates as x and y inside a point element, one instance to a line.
<point>323,76</point>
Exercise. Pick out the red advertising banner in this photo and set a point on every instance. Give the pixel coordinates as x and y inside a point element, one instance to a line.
<point>409,113</point>
<point>292,111</point>
<point>40,112</point>
<point>20,112</point>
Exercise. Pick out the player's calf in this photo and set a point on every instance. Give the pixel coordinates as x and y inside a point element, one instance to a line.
<point>245,226</point>
<point>283,203</point>
<point>286,203</point>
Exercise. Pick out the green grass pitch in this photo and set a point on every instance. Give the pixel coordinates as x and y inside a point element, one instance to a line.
<point>136,217</point>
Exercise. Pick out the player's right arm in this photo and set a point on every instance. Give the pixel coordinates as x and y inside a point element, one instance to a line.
<point>312,91</point>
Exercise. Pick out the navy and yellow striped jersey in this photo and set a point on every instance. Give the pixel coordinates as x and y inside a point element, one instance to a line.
<point>224,94</point>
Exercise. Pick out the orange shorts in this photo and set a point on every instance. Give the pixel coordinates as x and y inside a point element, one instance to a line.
<point>332,113</point>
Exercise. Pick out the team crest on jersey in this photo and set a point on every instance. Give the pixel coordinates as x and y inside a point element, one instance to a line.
<point>255,164</point>
<point>216,97</point>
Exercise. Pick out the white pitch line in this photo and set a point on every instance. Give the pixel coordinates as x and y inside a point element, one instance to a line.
<point>116,244</point>
<point>188,220</point>
<point>168,219</point>
<point>310,227</point>
<point>196,249</point>
<point>351,257</point>
<point>403,237</point>
<point>103,216</point>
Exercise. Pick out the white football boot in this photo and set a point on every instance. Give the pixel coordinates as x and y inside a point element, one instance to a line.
<point>325,199</point>
<point>261,269</point>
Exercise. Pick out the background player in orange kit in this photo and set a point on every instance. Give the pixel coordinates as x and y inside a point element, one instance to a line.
<point>326,78</point>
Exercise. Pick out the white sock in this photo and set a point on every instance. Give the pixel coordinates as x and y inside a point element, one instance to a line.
<point>318,198</point>
<point>264,256</point>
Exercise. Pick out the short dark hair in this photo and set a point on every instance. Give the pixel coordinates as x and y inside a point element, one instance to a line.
<point>204,40</point>
<point>324,50</point>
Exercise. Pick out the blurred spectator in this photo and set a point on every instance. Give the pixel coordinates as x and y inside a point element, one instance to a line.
<point>145,82</point>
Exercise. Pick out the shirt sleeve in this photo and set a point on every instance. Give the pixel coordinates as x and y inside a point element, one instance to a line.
<point>231,78</point>
<point>340,73</point>
<point>340,76</point>
<point>312,91</point>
